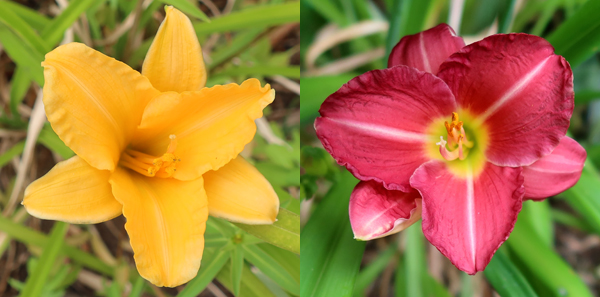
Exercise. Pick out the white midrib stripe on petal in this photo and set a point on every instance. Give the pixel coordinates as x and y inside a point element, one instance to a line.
<point>383,131</point>
<point>471,214</point>
<point>426,64</point>
<point>515,89</point>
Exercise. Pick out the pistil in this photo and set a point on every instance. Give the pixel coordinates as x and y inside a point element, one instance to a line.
<point>163,166</point>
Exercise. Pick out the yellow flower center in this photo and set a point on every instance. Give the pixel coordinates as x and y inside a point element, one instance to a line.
<point>463,148</point>
<point>152,166</point>
<point>457,140</point>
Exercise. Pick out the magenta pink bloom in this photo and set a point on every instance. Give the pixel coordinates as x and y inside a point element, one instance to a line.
<point>458,135</point>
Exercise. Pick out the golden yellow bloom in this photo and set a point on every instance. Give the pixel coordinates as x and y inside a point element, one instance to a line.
<point>157,146</point>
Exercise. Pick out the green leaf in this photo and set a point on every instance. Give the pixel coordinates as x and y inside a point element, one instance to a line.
<point>284,233</point>
<point>257,16</point>
<point>583,196</point>
<point>328,10</point>
<point>506,278</point>
<point>187,7</point>
<point>544,268</point>
<point>586,96</point>
<point>28,236</point>
<point>288,71</point>
<point>505,15</point>
<point>237,264</point>
<point>288,260</point>
<point>37,20</point>
<point>578,38</point>
<point>26,57</point>
<point>50,140</point>
<point>251,286</point>
<point>538,215</point>
<point>22,29</point>
<point>330,255</point>
<point>213,262</point>
<point>414,259</point>
<point>138,287</point>
<point>14,151</point>
<point>54,32</point>
<point>238,43</point>
<point>315,90</point>
<point>37,279</point>
<point>368,274</point>
<point>395,31</point>
<point>20,83</point>
<point>271,268</point>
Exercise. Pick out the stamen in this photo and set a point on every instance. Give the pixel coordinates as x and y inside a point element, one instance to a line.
<point>457,140</point>
<point>152,166</point>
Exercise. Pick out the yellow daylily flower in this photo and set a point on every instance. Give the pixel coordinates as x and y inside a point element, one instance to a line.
<point>158,147</point>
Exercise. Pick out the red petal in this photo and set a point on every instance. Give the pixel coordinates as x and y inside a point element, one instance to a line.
<point>468,218</point>
<point>375,124</point>
<point>426,50</point>
<point>556,172</point>
<point>376,212</point>
<point>520,88</point>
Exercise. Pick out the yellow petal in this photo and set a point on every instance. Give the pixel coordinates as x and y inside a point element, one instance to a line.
<point>174,61</point>
<point>211,125</point>
<point>166,220</point>
<point>93,102</point>
<point>74,192</point>
<point>239,193</point>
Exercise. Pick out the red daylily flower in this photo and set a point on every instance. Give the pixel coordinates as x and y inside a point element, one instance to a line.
<point>465,132</point>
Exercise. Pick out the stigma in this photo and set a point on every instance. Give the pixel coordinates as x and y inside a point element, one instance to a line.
<point>457,140</point>
<point>152,166</point>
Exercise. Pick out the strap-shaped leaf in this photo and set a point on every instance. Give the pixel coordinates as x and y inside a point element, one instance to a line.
<point>284,233</point>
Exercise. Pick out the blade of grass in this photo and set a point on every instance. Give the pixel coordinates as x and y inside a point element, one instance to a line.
<point>368,274</point>
<point>582,196</point>
<point>395,28</point>
<point>14,151</point>
<point>505,15</point>
<point>237,264</point>
<point>24,56</point>
<point>215,261</point>
<point>271,268</point>
<point>567,219</point>
<point>138,287</point>
<point>586,96</point>
<point>579,37</point>
<point>37,20</point>
<point>291,71</point>
<point>506,278</point>
<point>36,281</point>
<point>251,286</point>
<point>330,255</point>
<point>315,90</point>
<point>539,217</point>
<point>50,140</point>
<point>187,7</point>
<point>286,259</point>
<point>414,259</point>
<point>284,233</point>
<point>328,10</point>
<point>257,16</point>
<point>22,29</point>
<point>20,83</point>
<point>237,44</point>
<point>29,236</point>
<point>54,32</point>
<point>544,268</point>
